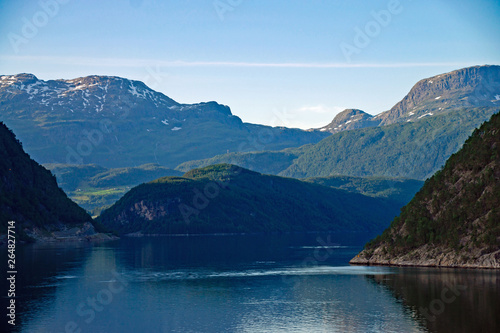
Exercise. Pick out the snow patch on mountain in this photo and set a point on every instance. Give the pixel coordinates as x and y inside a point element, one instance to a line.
<point>425,115</point>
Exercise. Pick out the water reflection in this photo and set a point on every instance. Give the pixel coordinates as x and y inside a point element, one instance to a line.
<point>239,284</point>
<point>330,303</point>
<point>41,269</point>
<point>448,300</point>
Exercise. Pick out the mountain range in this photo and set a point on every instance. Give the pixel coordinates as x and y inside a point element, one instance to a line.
<point>471,87</point>
<point>115,122</point>
<point>412,140</point>
<point>122,126</point>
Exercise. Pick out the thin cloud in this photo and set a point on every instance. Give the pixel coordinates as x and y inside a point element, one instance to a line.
<point>135,63</point>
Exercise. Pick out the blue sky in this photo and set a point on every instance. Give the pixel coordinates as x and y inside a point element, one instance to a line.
<point>293,63</point>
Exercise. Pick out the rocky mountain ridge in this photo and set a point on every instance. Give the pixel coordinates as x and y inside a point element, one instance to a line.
<point>115,122</point>
<point>472,87</point>
<point>477,86</point>
<point>85,94</point>
<point>412,140</point>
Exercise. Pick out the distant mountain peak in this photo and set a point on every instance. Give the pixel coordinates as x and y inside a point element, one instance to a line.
<point>102,119</point>
<point>477,86</point>
<point>90,94</point>
<point>467,87</point>
<point>349,119</point>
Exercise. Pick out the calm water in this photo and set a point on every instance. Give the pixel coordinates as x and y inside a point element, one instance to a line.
<point>280,283</point>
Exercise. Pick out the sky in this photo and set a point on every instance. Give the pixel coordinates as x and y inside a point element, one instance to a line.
<point>275,62</point>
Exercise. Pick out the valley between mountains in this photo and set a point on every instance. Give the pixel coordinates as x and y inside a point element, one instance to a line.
<point>141,163</point>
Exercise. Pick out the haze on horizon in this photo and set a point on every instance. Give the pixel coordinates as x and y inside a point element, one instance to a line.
<point>288,63</point>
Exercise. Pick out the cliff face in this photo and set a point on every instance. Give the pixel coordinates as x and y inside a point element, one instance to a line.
<point>477,86</point>
<point>471,87</point>
<point>454,220</point>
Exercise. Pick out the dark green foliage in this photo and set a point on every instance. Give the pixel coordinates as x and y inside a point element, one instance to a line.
<point>461,200</point>
<point>239,200</point>
<point>29,193</point>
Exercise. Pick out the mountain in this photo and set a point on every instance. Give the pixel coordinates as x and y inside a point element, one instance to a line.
<point>115,122</point>
<point>350,119</point>
<point>454,220</point>
<point>30,197</point>
<point>94,187</point>
<point>226,198</point>
<point>472,87</point>
<point>412,144</point>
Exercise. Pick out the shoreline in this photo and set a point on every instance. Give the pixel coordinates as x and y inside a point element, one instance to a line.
<point>367,263</point>
<point>276,233</point>
<point>427,256</point>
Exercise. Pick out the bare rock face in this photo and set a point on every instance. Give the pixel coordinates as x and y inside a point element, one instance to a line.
<point>430,256</point>
<point>477,86</point>
<point>65,233</point>
<point>454,221</point>
<point>468,87</point>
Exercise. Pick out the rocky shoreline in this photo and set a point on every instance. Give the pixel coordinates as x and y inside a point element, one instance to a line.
<point>61,233</point>
<point>428,256</point>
